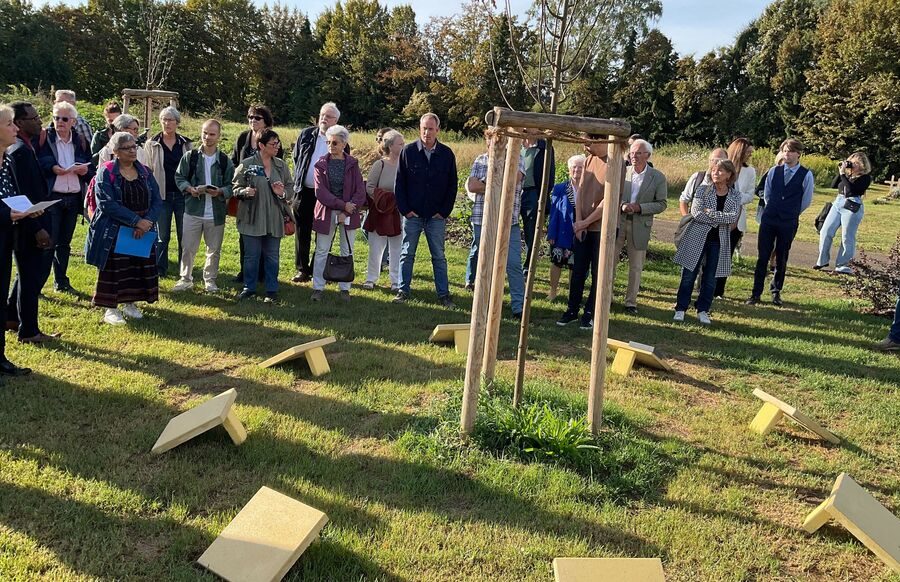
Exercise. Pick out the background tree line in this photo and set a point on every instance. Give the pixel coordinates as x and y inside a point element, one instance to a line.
<point>826,70</point>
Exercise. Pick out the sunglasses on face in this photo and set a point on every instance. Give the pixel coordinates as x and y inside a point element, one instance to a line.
<point>63,119</point>
<point>33,118</point>
<point>254,118</point>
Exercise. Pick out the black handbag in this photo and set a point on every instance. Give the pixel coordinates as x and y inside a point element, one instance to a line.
<point>852,205</point>
<point>820,219</point>
<point>337,268</point>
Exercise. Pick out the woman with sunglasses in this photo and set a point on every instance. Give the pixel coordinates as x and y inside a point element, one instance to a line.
<point>128,200</point>
<point>65,159</point>
<point>263,187</point>
<point>259,119</point>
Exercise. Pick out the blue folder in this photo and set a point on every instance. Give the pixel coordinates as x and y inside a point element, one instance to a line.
<point>126,244</point>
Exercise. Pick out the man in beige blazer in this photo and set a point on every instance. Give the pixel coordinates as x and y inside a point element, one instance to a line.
<point>643,196</point>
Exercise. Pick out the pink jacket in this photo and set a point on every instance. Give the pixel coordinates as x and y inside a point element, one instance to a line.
<point>326,202</point>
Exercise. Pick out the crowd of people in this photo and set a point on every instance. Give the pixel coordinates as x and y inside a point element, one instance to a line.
<point>131,187</point>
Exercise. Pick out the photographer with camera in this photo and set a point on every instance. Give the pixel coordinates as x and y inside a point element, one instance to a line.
<point>846,212</point>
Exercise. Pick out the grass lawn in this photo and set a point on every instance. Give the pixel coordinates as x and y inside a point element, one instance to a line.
<point>373,444</point>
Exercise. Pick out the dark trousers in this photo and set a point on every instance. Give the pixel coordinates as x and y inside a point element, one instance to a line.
<point>528,213</point>
<point>173,206</point>
<point>709,262</point>
<point>736,236</point>
<point>776,236</point>
<point>587,257</point>
<point>894,334</point>
<point>22,305</point>
<point>6,253</point>
<point>303,214</point>
<point>63,218</point>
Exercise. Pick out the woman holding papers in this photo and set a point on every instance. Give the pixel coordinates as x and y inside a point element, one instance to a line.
<point>120,239</point>
<point>8,217</point>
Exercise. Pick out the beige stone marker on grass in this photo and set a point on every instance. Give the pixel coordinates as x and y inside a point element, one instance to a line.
<point>315,356</point>
<point>264,539</point>
<point>608,570</point>
<point>458,333</point>
<point>627,353</point>
<point>200,419</point>
<point>869,521</point>
<point>773,409</point>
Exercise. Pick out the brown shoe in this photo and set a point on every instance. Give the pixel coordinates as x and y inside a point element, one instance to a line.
<point>301,277</point>
<point>39,338</point>
<point>12,325</point>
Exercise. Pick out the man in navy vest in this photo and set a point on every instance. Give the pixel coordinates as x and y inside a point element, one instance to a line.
<point>789,191</point>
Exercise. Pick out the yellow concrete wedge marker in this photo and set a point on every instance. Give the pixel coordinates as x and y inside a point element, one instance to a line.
<point>773,409</point>
<point>264,539</point>
<point>869,521</point>
<point>457,333</point>
<point>628,353</point>
<point>200,419</point>
<point>608,570</point>
<point>315,356</point>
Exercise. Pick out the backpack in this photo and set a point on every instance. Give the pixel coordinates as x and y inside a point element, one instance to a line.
<point>90,196</point>
<point>231,207</point>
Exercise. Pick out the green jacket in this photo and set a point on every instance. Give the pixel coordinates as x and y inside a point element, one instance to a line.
<point>221,178</point>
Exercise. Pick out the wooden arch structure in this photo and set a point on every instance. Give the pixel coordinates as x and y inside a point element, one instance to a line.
<point>148,96</point>
<point>507,129</point>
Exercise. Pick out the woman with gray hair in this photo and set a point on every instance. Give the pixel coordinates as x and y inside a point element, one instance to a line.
<point>340,192</point>
<point>383,220</point>
<point>128,123</point>
<point>165,151</point>
<point>127,198</point>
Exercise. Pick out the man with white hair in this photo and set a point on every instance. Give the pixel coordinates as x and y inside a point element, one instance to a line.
<point>309,148</point>
<point>643,196</point>
<point>82,127</point>
<point>65,160</point>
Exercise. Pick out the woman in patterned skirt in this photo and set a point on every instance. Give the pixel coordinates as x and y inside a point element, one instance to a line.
<point>127,197</point>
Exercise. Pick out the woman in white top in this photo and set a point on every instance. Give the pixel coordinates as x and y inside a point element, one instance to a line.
<point>739,152</point>
<point>383,221</point>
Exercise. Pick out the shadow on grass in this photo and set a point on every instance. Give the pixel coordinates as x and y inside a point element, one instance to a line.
<point>209,476</point>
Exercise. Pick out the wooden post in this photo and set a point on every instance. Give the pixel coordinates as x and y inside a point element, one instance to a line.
<point>501,252</point>
<point>148,111</point>
<point>126,101</point>
<point>480,302</point>
<point>548,174</point>
<point>605,273</point>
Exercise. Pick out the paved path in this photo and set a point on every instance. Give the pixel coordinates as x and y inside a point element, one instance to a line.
<point>803,254</point>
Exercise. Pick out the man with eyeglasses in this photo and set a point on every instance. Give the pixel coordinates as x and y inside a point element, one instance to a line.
<point>33,245</point>
<point>644,196</point>
<point>65,160</point>
<point>309,148</point>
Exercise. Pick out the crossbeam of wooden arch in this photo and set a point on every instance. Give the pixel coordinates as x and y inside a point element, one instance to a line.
<point>507,129</point>
<point>148,97</point>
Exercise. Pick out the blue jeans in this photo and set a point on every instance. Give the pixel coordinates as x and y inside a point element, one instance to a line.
<point>709,260</point>
<point>268,248</point>
<point>173,205</point>
<point>513,265</point>
<point>848,222</point>
<point>894,334</point>
<point>434,229</point>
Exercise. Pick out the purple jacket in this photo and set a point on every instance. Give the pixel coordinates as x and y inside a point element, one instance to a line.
<point>326,202</point>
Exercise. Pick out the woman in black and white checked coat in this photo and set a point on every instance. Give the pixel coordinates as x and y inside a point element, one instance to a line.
<point>715,212</point>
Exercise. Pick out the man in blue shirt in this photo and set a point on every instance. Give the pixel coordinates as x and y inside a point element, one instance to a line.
<point>788,192</point>
<point>425,192</point>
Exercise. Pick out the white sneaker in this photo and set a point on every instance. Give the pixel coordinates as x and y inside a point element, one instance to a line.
<point>368,285</point>
<point>679,316</point>
<point>212,288</point>
<point>182,286</point>
<point>113,317</point>
<point>129,310</point>
<point>703,316</point>
<point>843,270</point>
